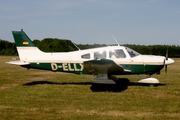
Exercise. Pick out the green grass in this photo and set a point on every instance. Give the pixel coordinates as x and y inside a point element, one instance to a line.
<point>36,94</point>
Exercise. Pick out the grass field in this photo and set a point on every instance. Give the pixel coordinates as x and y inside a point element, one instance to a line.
<point>37,94</point>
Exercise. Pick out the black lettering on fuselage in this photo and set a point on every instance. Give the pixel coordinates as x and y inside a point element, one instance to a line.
<point>67,66</point>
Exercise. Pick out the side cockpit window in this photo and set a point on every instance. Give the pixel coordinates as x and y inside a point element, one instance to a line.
<point>100,55</point>
<point>86,56</point>
<point>117,54</point>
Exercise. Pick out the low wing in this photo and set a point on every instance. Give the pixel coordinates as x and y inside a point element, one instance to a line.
<point>104,66</point>
<point>21,63</point>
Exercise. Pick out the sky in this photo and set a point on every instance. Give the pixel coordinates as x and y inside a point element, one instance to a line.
<point>144,22</point>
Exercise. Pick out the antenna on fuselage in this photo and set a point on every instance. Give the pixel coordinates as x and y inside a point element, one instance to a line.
<point>115,40</point>
<point>76,46</point>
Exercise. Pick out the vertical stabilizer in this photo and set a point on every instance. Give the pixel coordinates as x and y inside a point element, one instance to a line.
<point>21,39</point>
<point>25,47</point>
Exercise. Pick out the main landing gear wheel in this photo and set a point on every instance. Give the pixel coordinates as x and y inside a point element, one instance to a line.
<point>102,80</point>
<point>110,83</point>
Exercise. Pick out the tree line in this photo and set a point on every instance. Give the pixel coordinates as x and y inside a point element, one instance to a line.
<point>64,45</point>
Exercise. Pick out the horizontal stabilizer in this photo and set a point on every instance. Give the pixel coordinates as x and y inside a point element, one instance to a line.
<point>18,63</point>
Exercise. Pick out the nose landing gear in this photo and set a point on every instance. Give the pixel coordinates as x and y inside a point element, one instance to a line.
<point>148,81</point>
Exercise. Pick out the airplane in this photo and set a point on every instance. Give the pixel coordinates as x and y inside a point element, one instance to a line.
<point>104,62</point>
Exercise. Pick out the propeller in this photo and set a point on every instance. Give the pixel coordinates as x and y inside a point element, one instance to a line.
<point>166,58</point>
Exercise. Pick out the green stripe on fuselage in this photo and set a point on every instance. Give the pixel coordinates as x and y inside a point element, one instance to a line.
<point>140,69</point>
<point>77,68</point>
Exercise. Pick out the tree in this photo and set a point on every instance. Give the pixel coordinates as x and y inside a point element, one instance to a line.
<point>64,45</point>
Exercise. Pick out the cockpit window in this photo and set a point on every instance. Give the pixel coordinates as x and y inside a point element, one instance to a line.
<point>100,55</point>
<point>131,52</point>
<point>117,54</point>
<point>86,56</point>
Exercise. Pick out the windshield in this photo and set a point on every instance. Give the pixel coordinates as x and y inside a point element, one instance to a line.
<point>131,52</point>
<point>119,53</point>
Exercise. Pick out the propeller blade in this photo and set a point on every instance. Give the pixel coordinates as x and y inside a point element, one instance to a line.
<point>165,69</point>
<point>166,54</point>
<point>166,58</point>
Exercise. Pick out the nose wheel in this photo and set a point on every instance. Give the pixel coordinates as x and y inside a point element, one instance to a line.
<point>148,81</point>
